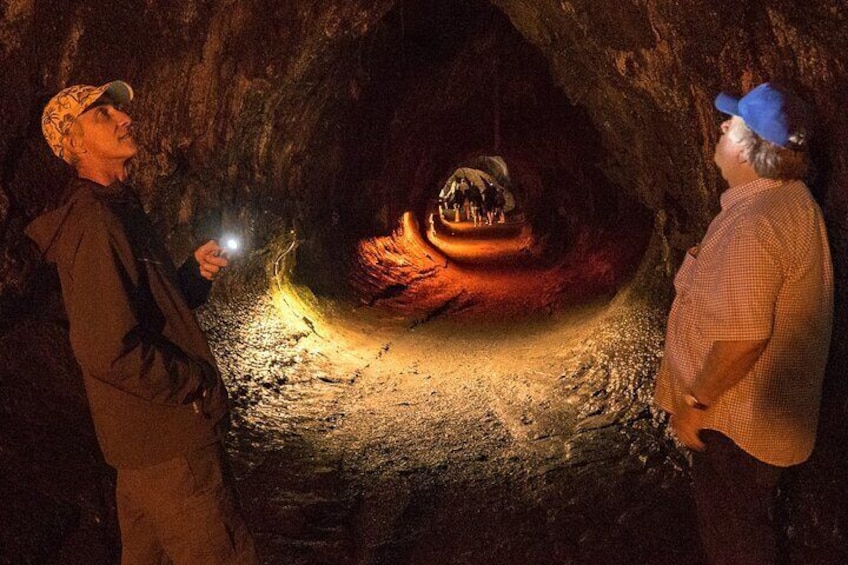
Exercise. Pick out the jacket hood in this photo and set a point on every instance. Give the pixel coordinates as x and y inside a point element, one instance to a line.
<point>45,229</point>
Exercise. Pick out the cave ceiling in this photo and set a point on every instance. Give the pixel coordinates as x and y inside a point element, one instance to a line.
<point>276,113</point>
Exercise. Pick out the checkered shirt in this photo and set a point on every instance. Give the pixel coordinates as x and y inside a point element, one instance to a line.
<point>762,271</point>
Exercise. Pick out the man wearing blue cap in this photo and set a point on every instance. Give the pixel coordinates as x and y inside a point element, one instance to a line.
<point>157,400</point>
<point>749,330</point>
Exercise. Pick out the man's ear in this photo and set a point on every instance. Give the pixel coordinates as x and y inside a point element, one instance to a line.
<point>72,145</point>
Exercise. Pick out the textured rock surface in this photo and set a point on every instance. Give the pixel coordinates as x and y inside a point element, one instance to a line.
<point>270,116</point>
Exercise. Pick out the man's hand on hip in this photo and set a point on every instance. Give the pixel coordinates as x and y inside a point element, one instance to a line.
<point>727,363</point>
<point>686,423</point>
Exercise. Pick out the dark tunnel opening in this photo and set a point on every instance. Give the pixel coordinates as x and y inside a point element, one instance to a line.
<point>443,86</point>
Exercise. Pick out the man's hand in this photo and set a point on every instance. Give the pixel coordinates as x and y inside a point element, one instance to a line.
<point>727,363</point>
<point>211,258</point>
<point>686,423</point>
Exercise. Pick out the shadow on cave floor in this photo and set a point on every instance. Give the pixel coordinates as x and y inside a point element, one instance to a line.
<point>451,443</point>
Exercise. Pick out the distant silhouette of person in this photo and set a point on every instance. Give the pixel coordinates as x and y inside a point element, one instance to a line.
<point>459,198</point>
<point>500,203</point>
<point>475,203</point>
<point>446,197</point>
<point>490,196</point>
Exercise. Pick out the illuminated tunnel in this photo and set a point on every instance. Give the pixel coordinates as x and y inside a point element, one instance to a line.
<point>407,387</point>
<point>445,88</point>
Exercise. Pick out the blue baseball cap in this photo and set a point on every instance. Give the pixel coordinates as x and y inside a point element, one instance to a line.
<point>773,113</point>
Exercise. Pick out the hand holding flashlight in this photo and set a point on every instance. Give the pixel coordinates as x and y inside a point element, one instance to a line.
<point>212,259</point>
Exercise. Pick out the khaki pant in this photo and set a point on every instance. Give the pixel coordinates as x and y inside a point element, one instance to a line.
<point>183,512</point>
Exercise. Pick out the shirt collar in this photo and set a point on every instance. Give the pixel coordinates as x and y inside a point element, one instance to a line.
<point>117,190</point>
<point>734,195</point>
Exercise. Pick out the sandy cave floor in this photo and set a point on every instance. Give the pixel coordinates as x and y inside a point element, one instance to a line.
<point>452,441</point>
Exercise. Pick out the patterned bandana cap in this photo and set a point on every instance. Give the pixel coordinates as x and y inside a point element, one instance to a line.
<point>64,108</point>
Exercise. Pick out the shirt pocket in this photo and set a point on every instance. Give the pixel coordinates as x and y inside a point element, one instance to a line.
<point>685,275</point>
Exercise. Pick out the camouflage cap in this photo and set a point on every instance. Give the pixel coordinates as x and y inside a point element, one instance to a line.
<point>64,108</point>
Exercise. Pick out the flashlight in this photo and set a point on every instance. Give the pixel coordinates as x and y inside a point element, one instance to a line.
<point>230,244</point>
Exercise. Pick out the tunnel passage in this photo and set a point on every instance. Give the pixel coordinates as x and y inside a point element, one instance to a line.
<point>448,85</point>
<point>315,127</point>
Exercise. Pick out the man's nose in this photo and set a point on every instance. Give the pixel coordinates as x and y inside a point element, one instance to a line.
<point>122,118</point>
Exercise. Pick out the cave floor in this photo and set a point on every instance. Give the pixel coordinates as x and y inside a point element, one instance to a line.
<point>487,274</point>
<point>482,244</point>
<point>444,442</point>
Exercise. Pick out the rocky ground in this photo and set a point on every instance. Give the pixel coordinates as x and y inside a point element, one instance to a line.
<point>510,426</point>
<point>452,442</point>
<point>457,414</point>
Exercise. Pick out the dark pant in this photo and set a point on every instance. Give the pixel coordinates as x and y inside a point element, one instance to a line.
<point>183,511</point>
<point>734,493</point>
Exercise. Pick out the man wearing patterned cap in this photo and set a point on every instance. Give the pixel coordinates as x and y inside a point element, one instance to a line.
<point>157,399</point>
<point>749,330</point>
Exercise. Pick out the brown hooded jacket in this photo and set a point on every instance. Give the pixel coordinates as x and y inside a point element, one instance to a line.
<point>152,382</point>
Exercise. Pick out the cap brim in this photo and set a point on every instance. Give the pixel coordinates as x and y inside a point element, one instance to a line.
<point>116,92</point>
<point>727,104</point>
<point>119,91</point>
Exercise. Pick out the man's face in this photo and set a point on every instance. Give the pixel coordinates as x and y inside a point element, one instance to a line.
<point>106,134</point>
<point>728,150</point>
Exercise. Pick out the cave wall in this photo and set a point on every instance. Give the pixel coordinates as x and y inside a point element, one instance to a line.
<point>259,118</point>
<point>244,115</point>
<point>647,73</point>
